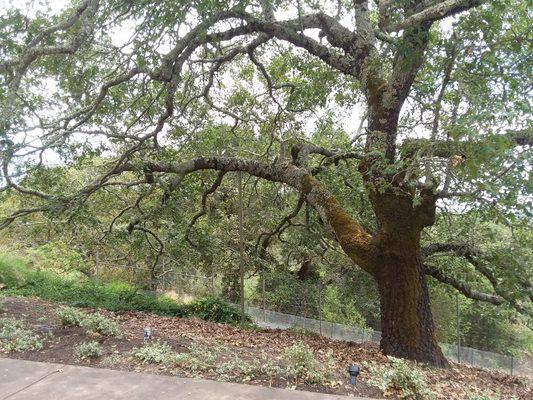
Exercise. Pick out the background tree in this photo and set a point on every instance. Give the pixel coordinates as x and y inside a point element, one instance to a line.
<point>260,87</point>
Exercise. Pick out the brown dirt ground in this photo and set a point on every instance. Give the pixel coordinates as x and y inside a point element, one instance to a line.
<point>180,333</point>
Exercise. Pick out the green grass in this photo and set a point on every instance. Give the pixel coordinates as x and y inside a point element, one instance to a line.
<point>78,290</point>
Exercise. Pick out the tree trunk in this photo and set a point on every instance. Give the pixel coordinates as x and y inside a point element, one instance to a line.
<point>407,324</point>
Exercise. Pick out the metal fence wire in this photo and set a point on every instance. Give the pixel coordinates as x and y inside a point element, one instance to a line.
<point>194,284</point>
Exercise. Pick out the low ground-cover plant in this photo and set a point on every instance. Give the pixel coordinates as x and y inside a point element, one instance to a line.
<point>154,353</point>
<point>97,323</point>
<point>86,350</point>
<point>14,336</point>
<point>402,380</point>
<point>92,323</point>
<point>302,365</point>
<point>487,396</point>
<point>237,369</point>
<point>70,316</point>
<point>199,358</point>
<point>298,364</point>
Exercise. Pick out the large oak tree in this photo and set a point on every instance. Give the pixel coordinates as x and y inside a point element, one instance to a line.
<point>441,87</point>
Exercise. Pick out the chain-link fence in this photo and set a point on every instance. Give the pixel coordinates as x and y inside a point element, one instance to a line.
<point>307,315</point>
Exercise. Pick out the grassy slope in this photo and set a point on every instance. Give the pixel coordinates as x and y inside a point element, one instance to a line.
<point>76,289</point>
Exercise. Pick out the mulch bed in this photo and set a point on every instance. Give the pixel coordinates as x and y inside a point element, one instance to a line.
<point>180,333</point>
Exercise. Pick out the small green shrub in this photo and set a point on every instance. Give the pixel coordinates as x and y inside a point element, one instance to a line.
<point>97,323</point>
<point>208,354</point>
<point>92,323</point>
<point>402,380</point>
<point>87,350</point>
<point>301,364</point>
<point>199,358</point>
<point>236,368</point>
<point>270,369</point>
<point>14,336</point>
<point>217,310</point>
<point>70,316</point>
<point>154,353</point>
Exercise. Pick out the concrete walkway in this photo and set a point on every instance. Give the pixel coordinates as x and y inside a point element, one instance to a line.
<point>25,380</point>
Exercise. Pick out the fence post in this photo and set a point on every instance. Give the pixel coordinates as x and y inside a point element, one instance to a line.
<point>320,305</point>
<point>512,365</point>
<point>458,328</point>
<point>263,295</point>
<point>96,264</point>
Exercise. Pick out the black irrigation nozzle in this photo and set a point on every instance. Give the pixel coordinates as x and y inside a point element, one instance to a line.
<point>354,371</point>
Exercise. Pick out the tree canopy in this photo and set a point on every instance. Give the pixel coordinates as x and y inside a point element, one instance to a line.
<point>402,129</point>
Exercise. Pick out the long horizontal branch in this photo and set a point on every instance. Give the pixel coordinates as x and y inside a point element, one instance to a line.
<point>438,11</point>
<point>449,148</point>
<point>478,259</point>
<point>461,249</point>
<point>462,287</point>
<point>352,237</point>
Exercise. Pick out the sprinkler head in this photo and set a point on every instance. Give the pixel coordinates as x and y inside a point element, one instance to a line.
<point>354,371</point>
<point>147,333</point>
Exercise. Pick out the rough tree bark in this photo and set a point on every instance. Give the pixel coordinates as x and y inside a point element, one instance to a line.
<point>406,319</point>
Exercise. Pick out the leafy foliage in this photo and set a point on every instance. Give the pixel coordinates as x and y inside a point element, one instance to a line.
<point>20,279</point>
<point>60,256</point>
<point>87,350</point>
<point>97,323</point>
<point>302,365</point>
<point>70,316</point>
<point>154,353</point>
<point>402,380</point>
<point>216,310</point>
<point>15,337</point>
<point>92,323</point>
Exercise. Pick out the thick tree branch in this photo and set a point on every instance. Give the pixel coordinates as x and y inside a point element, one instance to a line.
<point>449,148</point>
<point>462,287</point>
<point>301,151</point>
<point>478,259</point>
<point>435,12</point>
<point>352,237</point>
